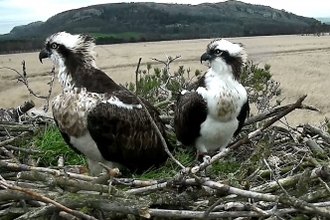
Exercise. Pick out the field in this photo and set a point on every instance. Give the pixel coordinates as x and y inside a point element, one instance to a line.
<point>299,63</point>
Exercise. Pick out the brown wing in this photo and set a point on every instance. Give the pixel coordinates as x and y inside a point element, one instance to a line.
<point>190,113</point>
<point>244,113</point>
<point>66,138</point>
<point>126,135</point>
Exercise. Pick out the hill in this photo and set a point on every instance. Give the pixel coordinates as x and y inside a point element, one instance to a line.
<point>131,22</point>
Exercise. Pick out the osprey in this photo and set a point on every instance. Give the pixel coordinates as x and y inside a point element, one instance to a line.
<point>213,109</point>
<point>97,117</point>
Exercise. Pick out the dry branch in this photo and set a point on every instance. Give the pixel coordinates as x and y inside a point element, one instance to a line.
<point>23,78</point>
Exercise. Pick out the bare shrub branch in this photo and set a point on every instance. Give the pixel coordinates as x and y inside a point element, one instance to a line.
<point>23,78</point>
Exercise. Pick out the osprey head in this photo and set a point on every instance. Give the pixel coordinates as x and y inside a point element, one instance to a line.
<point>223,54</point>
<point>62,46</point>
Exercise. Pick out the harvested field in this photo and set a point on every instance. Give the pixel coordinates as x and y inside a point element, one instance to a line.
<point>299,63</point>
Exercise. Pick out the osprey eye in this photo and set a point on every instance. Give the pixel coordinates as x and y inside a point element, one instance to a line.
<point>217,51</point>
<point>54,45</point>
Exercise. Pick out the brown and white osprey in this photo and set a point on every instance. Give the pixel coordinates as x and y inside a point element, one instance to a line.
<point>97,117</point>
<point>213,109</point>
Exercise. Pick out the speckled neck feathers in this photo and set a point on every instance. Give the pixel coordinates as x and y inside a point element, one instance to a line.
<point>231,60</point>
<point>72,52</point>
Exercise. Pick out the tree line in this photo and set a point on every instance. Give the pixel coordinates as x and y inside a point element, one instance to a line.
<point>176,33</point>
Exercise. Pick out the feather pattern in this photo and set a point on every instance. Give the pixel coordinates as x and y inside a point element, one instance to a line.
<point>97,117</point>
<point>213,109</point>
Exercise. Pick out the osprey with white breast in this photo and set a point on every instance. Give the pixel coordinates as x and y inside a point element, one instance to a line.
<point>97,117</point>
<point>213,109</point>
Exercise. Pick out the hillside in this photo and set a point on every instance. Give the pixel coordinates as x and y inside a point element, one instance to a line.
<point>131,22</point>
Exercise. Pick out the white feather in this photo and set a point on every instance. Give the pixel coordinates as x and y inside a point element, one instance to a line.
<point>224,45</point>
<point>115,101</point>
<point>234,49</point>
<point>217,130</point>
<point>73,43</point>
<point>86,145</point>
<point>215,134</point>
<point>70,41</point>
<point>224,96</point>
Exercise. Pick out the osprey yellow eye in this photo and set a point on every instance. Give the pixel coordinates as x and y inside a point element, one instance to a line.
<point>54,45</point>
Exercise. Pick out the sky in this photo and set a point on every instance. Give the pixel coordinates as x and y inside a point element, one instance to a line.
<point>21,12</point>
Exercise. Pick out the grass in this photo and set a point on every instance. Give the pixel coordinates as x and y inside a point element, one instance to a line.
<point>170,168</point>
<point>117,35</point>
<point>52,145</point>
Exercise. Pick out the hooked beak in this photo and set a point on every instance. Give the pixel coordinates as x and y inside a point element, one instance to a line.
<point>205,57</point>
<point>43,54</point>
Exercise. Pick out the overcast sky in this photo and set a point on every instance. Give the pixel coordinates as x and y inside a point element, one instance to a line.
<point>20,12</point>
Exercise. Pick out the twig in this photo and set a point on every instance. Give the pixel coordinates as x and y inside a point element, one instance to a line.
<point>288,181</point>
<point>23,78</point>
<point>10,147</point>
<point>51,85</point>
<point>312,130</point>
<point>165,102</point>
<point>35,213</point>
<point>274,112</point>
<point>137,75</point>
<point>167,63</point>
<point>10,140</point>
<point>61,181</point>
<point>211,208</point>
<point>9,154</point>
<point>136,183</point>
<point>160,135</point>
<point>299,204</point>
<point>147,189</point>
<point>48,200</point>
<point>24,167</point>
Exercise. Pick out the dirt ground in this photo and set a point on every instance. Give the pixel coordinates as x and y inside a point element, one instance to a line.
<point>299,63</point>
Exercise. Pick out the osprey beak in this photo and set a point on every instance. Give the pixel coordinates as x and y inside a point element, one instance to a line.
<point>43,54</point>
<point>205,57</point>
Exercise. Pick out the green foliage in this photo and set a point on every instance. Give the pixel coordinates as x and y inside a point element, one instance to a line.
<point>197,72</point>
<point>261,88</point>
<point>154,86</point>
<point>52,145</point>
<point>256,76</point>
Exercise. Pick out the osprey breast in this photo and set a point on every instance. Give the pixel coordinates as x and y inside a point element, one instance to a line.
<point>70,109</point>
<point>223,99</point>
<point>226,105</point>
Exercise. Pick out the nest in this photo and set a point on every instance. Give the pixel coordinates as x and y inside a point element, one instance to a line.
<point>283,173</point>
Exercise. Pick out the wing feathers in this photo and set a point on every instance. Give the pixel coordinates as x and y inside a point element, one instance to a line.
<point>244,113</point>
<point>66,138</point>
<point>126,136</point>
<point>190,113</point>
